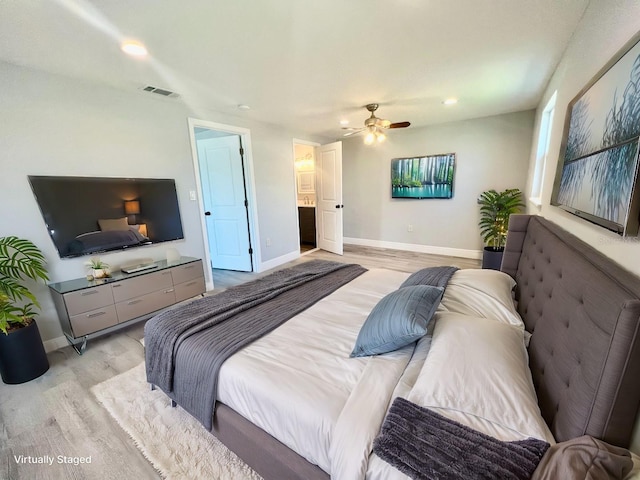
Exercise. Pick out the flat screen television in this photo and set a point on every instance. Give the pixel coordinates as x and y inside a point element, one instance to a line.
<point>90,215</point>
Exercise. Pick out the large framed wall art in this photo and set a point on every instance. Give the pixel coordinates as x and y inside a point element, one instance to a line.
<point>430,176</point>
<point>598,178</point>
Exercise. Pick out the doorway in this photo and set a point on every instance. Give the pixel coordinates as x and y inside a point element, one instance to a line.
<point>225,192</point>
<point>318,175</point>
<point>304,165</point>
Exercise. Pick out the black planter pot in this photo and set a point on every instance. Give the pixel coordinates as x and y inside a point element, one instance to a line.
<point>22,355</point>
<point>492,258</point>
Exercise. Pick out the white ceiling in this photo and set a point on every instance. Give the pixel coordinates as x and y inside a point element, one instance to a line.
<point>302,63</point>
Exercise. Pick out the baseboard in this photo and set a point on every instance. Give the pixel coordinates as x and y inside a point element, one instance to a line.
<point>55,344</point>
<point>281,260</point>
<point>413,247</point>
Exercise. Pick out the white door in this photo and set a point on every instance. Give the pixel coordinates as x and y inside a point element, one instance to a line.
<point>329,197</point>
<point>224,198</point>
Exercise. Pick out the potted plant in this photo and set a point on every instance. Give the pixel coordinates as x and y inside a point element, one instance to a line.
<point>99,269</point>
<point>495,208</point>
<point>22,355</point>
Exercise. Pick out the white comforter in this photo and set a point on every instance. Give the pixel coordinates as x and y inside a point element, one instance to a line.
<point>299,384</point>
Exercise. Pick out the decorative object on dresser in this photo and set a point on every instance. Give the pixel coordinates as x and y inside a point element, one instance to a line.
<point>22,355</point>
<point>495,209</point>
<point>97,269</point>
<point>88,309</point>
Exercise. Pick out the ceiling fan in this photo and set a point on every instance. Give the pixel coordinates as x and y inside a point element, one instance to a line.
<point>374,126</point>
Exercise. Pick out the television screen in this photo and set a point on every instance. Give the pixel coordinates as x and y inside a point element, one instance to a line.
<point>88,215</point>
<point>430,176</point>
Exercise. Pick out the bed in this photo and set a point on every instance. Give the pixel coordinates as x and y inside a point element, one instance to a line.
<point>294,404</point>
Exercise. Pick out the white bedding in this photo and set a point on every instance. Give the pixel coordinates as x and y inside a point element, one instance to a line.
<point>299,384</point>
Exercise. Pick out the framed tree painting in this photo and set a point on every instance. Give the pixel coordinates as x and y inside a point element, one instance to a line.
<point>597,180</point>
<point>430,176</point>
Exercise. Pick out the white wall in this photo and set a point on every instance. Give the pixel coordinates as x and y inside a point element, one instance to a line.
<point>53,125</point>
<point>606,26</point>
<point>491,152</point>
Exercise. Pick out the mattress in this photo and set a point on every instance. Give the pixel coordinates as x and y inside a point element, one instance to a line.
<point>299,384</point>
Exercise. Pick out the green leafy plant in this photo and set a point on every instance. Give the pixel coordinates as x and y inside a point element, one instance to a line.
<point>19,260</point>
<point>96,264</point>
<point>495,208</point>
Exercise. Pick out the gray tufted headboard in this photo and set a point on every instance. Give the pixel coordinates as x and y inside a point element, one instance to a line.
<point>583,311</point>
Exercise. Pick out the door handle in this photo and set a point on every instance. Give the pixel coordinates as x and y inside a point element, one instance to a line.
<point>207,213</point>
<point>339,206</point>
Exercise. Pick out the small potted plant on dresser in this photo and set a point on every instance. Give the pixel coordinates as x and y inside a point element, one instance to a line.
<point>22,354</point>
<point>99,269</point>
<point>495,208</point>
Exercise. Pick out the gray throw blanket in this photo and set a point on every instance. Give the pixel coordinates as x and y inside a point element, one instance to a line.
<point>185,347</point>
<point>425,445</point>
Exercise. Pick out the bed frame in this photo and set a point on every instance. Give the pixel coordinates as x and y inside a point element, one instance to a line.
<point>583,312</point>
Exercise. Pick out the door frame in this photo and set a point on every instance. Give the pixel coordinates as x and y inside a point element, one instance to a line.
<point>295,142</point>
<point>245,136</point>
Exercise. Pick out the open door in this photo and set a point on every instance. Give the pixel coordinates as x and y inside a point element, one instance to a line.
<point>225,201</point>
<point>329,197</point>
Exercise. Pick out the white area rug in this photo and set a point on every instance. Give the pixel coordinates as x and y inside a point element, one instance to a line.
<point>175,443</point>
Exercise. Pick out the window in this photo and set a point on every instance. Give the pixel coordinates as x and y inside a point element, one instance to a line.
<point>544,136</point>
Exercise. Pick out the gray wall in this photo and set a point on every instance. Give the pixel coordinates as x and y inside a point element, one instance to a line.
<point>491,152</point>
<point>605,28</point>
<point>53,125</point>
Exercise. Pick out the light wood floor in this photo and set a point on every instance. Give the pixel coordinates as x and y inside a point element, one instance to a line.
<point>57,415</point>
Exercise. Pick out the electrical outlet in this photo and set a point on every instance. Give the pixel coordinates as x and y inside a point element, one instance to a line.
<point>192,195</point>
<point>268,242</point>
<point>409,228</point>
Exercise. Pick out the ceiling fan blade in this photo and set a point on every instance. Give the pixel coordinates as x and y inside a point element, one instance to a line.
<point>400,125</point>
<point>353,132</point>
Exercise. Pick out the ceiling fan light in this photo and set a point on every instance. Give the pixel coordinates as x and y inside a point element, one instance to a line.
<point>370,137</point>
<point>381,137</point>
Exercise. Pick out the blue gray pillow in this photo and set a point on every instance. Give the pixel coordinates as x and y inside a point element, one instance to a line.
<point>436,276</point>
<point>400,318</point>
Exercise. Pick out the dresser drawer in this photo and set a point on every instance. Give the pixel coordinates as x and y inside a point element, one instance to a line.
<point>89,322</point>
<point>138,286</point>
<point>145,304</point>
<point>189,289</point>
<point>187,272</point>
<point>88,299</point>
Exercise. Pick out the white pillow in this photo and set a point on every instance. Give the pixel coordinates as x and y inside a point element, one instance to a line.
<point>482,293</point>
<point>477,373</point>
<point>113,224</point>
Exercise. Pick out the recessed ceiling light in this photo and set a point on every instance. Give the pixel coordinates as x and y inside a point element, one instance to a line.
<point>244,107</point>
<point>450,101</point>
<point>134,48</point>
<point>344,122</point>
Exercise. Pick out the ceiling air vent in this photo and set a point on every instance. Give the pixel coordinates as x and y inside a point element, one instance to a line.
<point>160,91</point>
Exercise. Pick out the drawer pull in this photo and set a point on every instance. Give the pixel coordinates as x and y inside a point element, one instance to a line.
<point>116,285</point>
<point>166,273</point>
<point>188,266</point>
<point>88,292</point>
<point>190,283</point>
<point>97,314</point>
<point>169,291</point>
<point>133,302</point>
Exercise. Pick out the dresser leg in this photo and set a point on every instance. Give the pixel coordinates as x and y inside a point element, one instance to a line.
<point>83,346</point>
<point>173,404</point>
